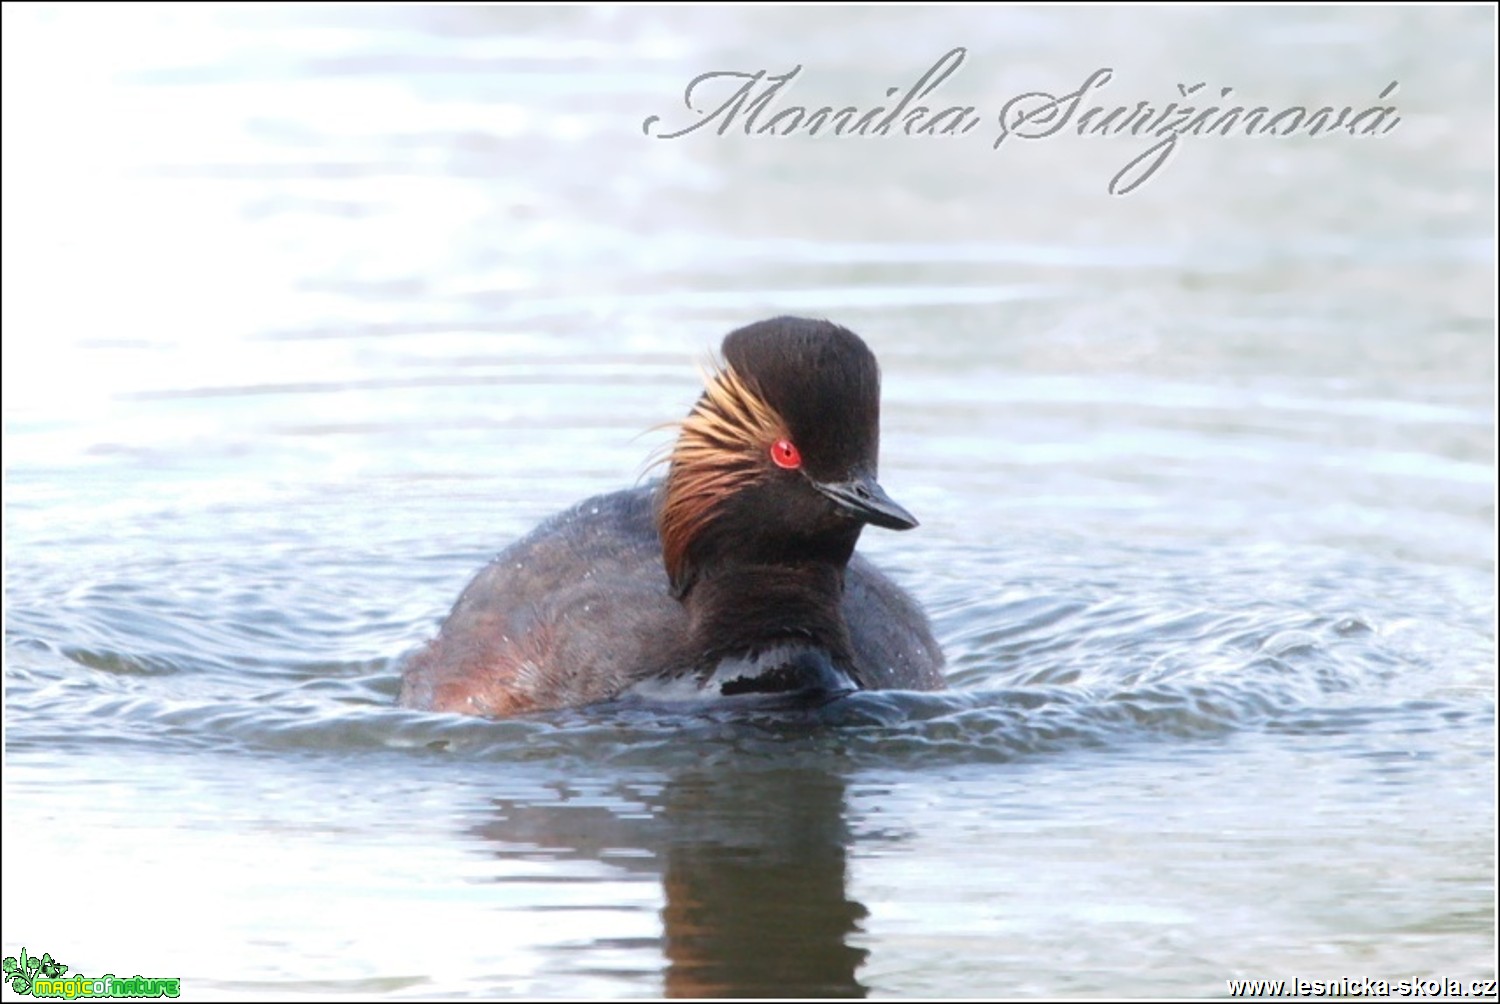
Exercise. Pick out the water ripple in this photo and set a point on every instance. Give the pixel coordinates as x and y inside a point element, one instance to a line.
<point>1111,649</point>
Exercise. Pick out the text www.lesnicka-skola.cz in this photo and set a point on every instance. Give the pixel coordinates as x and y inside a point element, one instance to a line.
<point>1351,987</point>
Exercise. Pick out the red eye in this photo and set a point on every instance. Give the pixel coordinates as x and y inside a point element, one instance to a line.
<point>784,454</point>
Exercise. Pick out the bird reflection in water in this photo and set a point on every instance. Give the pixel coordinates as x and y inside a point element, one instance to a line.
<point>753,871</point>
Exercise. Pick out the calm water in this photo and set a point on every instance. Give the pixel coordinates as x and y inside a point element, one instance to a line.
<point>308,313</point>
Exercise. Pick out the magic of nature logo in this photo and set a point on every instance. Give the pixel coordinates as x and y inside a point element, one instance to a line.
<point>45,977</point>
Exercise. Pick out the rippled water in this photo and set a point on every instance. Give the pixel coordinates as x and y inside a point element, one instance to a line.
<point>309,312</point>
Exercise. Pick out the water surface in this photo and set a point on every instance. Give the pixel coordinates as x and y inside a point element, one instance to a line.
<point>310,312</point>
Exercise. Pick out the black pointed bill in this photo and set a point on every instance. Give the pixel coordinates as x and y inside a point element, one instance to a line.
<point>865,500</point>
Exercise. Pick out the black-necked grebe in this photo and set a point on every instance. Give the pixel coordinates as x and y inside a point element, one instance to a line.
<point>734,575</point>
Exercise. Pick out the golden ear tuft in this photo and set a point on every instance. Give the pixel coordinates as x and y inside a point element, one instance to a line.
<point>721,447</point>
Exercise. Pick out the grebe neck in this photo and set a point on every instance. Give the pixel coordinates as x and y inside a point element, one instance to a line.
<point>743,611</point>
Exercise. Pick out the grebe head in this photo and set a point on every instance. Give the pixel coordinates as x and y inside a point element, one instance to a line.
<point>776,463</point>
